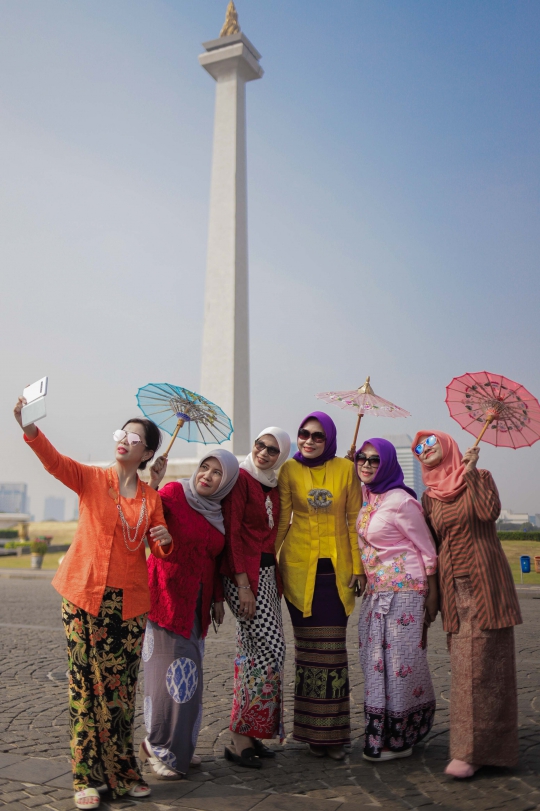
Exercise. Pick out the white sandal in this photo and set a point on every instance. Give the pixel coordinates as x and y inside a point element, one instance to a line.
<point>87,798</point>
<point>196,760</point>
<point>160,769</point>
<point>139,790</point>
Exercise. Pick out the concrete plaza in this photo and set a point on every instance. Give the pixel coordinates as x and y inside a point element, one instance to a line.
<point>34,768</point>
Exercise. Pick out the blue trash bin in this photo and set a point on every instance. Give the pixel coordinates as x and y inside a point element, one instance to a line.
<point>525,564</point>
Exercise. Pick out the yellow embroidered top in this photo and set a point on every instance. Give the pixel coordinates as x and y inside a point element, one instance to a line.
<point>324,503</point>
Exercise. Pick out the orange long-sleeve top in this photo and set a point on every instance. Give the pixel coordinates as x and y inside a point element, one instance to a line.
<point>98,556</point>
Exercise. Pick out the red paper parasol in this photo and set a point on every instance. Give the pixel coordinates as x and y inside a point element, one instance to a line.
<point>480,401</point>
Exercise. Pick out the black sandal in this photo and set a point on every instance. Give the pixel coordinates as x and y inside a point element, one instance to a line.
<point>248,758</point>
<point>261,750</point>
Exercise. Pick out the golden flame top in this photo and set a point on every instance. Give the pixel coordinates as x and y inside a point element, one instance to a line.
<point>230,26</point>
<point>366,388</point>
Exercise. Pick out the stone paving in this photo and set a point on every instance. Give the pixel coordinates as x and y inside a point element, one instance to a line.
<point>34,768</point>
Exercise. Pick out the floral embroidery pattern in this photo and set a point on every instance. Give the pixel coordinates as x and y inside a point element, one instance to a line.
<point>391,576</point>
<point>404,671</point>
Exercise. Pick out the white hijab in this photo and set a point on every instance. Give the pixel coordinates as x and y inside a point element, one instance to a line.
<point>210,506</point>
<point>268,477</point>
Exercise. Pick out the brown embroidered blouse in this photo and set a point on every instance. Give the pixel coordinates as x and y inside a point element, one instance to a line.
<point>466,527</point>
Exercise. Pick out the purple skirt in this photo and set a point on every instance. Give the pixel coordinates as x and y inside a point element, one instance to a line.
<point>321,687</point>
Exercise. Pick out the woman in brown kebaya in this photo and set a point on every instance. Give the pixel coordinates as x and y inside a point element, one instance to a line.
<point>479,604</point>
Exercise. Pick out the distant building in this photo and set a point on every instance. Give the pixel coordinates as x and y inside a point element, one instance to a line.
<point>412,469</point>
<point>13,498</point>
<point>54,509</point>
<point>509,517</point>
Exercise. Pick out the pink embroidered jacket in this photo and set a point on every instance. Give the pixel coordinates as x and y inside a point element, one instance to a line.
<point>396,545</point>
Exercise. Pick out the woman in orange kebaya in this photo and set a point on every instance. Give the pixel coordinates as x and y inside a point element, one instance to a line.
<point>103,580</point>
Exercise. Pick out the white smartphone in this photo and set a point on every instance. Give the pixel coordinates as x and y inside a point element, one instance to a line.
<point>33,412</point>
<point>38,389</point>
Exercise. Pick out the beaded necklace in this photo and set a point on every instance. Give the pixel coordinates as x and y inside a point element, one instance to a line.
<point>126,529</point>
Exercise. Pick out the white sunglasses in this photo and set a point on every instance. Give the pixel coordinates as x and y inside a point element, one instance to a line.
<point>133,439</point>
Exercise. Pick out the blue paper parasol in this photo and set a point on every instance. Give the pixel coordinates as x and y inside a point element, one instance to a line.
<point>183,413</point>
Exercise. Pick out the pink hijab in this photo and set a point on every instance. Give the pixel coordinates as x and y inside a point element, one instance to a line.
<point>445,481</point>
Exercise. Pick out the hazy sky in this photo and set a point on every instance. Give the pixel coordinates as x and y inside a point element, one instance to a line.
<point>393,160</point>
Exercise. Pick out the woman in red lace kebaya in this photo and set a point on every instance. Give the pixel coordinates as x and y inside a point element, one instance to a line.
<point>182,594</point>
<point>253,593</point>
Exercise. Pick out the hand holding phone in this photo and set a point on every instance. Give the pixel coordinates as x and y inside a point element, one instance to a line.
<point>34,406</point>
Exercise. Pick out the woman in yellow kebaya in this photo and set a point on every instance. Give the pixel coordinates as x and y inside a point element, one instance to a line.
<point>320,565</point>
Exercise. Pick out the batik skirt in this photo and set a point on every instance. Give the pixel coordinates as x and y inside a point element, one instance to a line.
<point>399,700</point>
<point>321,687</point>
<point>257,709</point>
<point>483,693</point>
<point>104,653</point>
<point>173,692</point>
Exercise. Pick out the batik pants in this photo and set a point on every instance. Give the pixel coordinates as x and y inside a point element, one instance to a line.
<point>257,709</point>
<point>104,653</point>
<point>399,700</point>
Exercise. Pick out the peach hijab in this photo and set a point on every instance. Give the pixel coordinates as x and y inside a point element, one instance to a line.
<point>445,481</point>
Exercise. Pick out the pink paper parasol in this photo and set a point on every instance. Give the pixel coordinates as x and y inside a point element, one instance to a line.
<point>480,401</point>
<point>363,401</point>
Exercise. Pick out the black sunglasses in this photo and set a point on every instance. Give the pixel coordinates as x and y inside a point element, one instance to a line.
<point>316,436</point>
<point>372,461</point>
<point>270,449</point>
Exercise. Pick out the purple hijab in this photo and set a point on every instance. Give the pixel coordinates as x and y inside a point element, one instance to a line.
<point>389,475</point>
<point>330,448</point>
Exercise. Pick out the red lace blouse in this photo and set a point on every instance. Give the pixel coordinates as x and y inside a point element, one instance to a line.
<point>247,531</point>
<point>174,587</point>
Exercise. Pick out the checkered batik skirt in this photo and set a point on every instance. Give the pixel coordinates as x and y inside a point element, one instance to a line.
<point>399,701</point>
<point>321,688</point>
<point>257,709</point>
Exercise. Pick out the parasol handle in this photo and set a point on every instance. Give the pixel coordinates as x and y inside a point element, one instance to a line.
<point>353,446</point>
<point>179,424</point>
<point>489,420</point>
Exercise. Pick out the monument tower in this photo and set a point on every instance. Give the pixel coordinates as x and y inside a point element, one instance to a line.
<point>232,61</point>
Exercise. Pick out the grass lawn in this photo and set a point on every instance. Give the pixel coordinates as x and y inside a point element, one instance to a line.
<point>514,550</point>
<point>63,532</point>
<point>50,561</point>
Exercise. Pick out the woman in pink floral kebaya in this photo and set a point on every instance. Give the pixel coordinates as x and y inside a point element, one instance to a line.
<point>401,597</point>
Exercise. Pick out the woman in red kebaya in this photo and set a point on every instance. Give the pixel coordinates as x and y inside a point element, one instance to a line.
<point>253,592</point>
<point>182,594</point>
